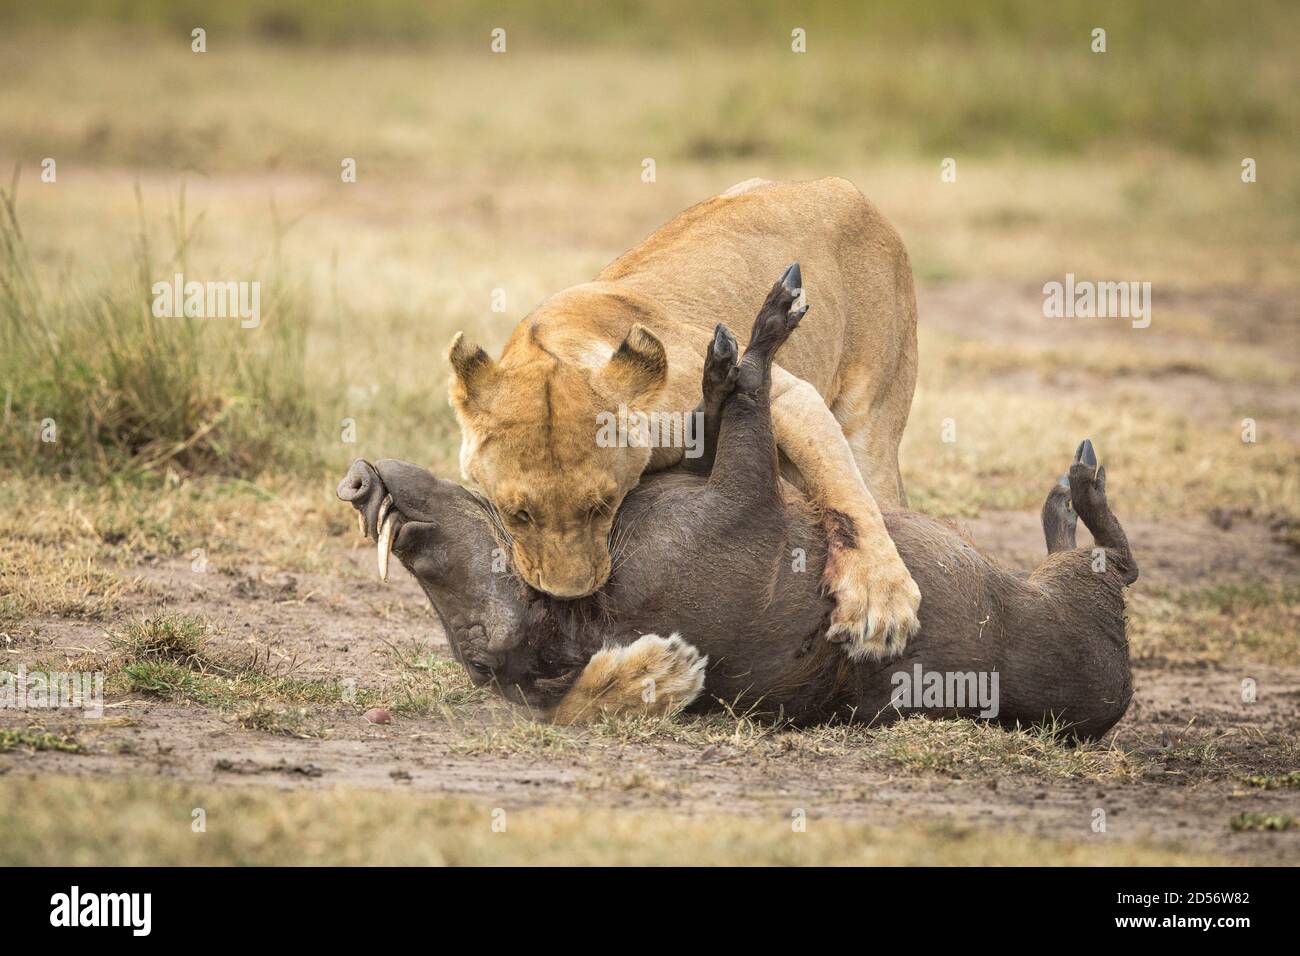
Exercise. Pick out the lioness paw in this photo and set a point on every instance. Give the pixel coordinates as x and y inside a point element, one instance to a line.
<point>652,675</point>
<point>876,604</point>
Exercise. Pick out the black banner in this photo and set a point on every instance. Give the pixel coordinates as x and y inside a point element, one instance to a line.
<point>341,905</point>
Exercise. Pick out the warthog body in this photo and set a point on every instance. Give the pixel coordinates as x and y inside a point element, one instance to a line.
<point>722,553</point>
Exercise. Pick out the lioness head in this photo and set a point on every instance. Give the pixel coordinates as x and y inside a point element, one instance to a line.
<point>529,428</point>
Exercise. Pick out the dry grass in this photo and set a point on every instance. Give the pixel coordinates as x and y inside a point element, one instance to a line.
<point>961,748</point>
<point>287,721</point>
<point>955,749</point>
<point>175,657</point>
<point>1226,623</point>
<point>1170,449</point>
<point>172,639</point>
<point>690,83</point>
<point>149,822</point>
<point>431,685</point>
<point>72,549</point>
<point>526,211</point>
<point>43,580</point>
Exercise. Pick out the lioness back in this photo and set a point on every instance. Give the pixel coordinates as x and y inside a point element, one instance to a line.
<point>715,262</point>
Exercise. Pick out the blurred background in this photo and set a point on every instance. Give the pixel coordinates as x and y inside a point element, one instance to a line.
<point>521,171</point>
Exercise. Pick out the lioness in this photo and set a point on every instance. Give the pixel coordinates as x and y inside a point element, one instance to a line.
<point>634,339</point>
<point>703,549</point>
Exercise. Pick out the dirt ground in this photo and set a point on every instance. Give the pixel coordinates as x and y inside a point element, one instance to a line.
<point>1184,751</point>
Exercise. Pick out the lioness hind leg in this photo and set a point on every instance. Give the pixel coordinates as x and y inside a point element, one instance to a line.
<point>652,675</point>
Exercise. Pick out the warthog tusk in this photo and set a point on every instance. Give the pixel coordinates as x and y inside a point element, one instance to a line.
<point>361,523</point>
<point>386,545</point>
<point>384,507</point>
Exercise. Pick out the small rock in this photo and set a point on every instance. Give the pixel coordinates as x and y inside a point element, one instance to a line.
<point>377,715</point>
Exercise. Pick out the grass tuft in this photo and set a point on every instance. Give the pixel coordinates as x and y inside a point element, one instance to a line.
<point>431,685</point>
<point>963,748</point>
<point>168,639</point>
<point>95,385</point>
<point>168,657</point>
<point>37,740</point>
<point>1275,781</point>
<point>1261,820</point>
<point>286,721</point>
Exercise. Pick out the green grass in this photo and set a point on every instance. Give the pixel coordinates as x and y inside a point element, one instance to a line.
<point>171,657</point>
<point>11,739</point>
<point>429,684</point>
<point>228,688</point>
<point>1261,820</point>
<point>1235,597</point>
<point>166,639</point>
<point>1276,781</point>
<point>95,385</point>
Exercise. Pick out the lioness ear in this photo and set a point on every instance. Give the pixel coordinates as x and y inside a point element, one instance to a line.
<point>472,370</point>
<point>638,371</point>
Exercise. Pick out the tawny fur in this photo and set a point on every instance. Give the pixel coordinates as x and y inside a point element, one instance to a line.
<point>653,675</point>
<point>635,337</point>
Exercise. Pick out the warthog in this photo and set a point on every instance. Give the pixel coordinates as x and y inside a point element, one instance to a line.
<point>721,555</point>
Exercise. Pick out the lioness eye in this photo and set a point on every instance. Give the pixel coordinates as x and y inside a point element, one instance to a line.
<point>522,516</point>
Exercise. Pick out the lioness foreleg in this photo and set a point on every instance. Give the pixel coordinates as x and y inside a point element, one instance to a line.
<point>652,675</point>
<point>876,599</point>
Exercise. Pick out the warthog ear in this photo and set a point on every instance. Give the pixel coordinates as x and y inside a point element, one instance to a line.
<point>472,370</point>
<point>638,371</point>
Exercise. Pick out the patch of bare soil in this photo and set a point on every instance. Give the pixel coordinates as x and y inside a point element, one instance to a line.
<point>1170,554</point>
<point>1167,361</point>
<point>1193,736</point>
